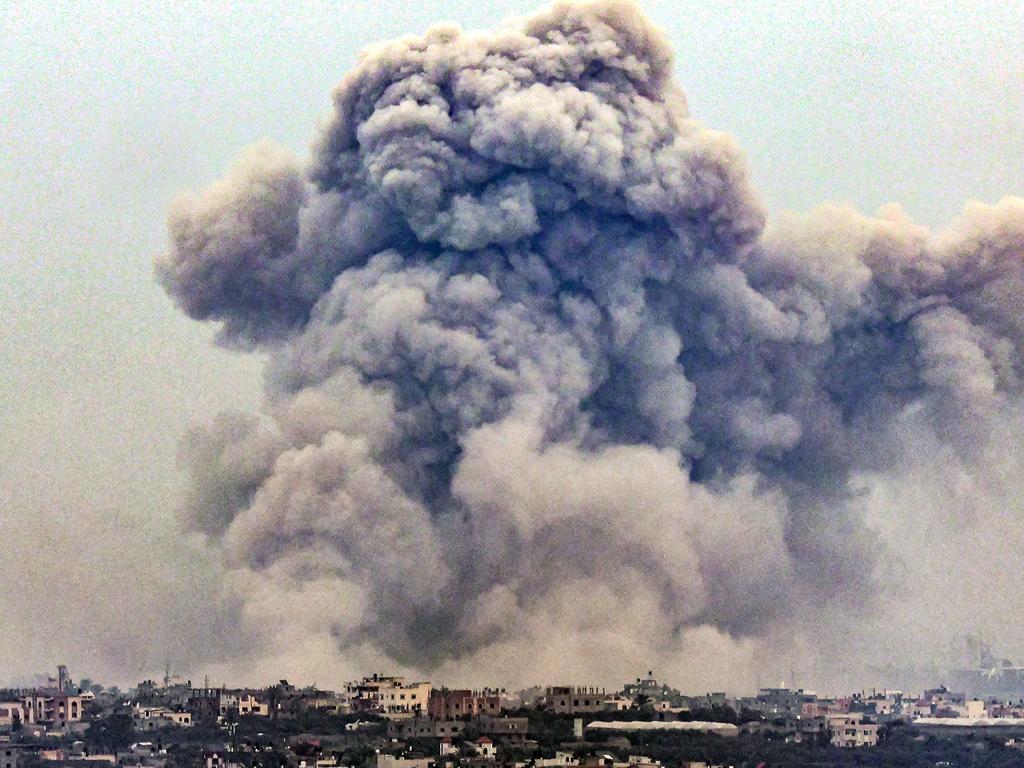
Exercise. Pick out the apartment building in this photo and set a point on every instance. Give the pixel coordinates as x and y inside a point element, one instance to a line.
<point>388,694</point>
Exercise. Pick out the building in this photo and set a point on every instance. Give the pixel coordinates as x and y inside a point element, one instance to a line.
<point>215,703</point>
<point>155,718</point>
<point>852,731</point>
<point>649,689</point>
<point>323,702</point>
<point>424,728</point>
<point>55,711</point>
<point>503,726</point>
<point>727,730</point>
<point>566,700</point>
<point>205,703</point>
<point>779,701</point>
<point>245,704</point>
<point>809,729</point>
<point>387,694</point>
<point>12,713</point>
<point>560,760</point>
<point>485,748</point>
<point>998,727</point>
<point>447,704</point>
<point>390,761</point>
<point>219,760</point>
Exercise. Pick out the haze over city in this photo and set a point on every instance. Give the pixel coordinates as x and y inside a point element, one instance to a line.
<point>556,344</point>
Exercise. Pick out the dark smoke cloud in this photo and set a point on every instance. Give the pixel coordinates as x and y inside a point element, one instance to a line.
<point>535,361</point>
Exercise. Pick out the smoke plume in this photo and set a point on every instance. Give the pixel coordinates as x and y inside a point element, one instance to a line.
<point>542,383</point>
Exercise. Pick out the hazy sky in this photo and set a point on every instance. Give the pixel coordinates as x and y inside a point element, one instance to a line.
<point>108,111</point>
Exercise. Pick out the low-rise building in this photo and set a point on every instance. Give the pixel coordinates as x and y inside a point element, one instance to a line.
<point>390,761</point>
<point>219,760</point>
<point>561,759</point>
<point>485,748</point>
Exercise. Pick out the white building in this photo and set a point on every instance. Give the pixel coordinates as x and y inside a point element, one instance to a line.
<point>388,694</point>
<point>485,748</point>
<point>250,705</point>
<point>851,731</point>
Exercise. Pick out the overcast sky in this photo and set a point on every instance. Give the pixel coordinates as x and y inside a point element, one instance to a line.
<point>109,110</point>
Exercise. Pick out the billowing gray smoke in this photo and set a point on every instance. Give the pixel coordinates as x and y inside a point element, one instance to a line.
<point>537,369</point>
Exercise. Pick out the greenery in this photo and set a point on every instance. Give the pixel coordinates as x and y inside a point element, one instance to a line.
<point>110,734</point>
<point>264,743</point>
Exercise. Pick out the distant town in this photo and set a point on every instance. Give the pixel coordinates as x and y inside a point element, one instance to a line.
<point>384,721</point>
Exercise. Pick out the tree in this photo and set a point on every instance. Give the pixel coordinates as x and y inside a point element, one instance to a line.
<point>111,733</point>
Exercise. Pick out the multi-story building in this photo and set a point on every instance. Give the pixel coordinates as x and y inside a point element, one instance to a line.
<point>53,710</point>
<point>242,703</point>
<point>779,701</point>
<point>649,689</point>
<point>503,726</point>
<point>155,718</point>
<point>8,756</point>
<point>569,700</point>
<point>446,704</point>
<point>248,704</point>
<point>323,701</point>
<point>388,694</point>
<point>221,702</point>
<point>852,731</point>
<point>425,728</point>
<point>205,703</point>
<point>11,714</point>
<point>805,729</point>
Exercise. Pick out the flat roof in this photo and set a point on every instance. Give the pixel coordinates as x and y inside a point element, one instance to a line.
<point>675,725</point>
<point>970,722</point>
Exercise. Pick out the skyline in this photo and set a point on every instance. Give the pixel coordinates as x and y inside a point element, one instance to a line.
<point>110,437</point>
